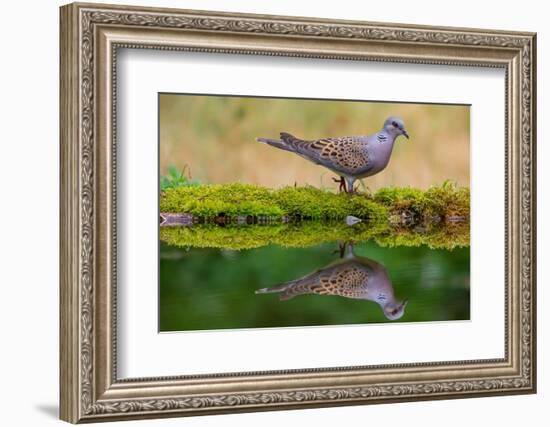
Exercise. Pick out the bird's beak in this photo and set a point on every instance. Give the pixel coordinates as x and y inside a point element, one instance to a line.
<point>405,134</point>
<point>405,302</point>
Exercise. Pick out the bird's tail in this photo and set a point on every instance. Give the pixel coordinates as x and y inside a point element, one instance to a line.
<point>282,290</point>
<point>273,142</point>
<point>285,143</point>
<point>288,290</point>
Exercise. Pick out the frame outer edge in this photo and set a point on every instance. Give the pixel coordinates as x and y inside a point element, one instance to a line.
<point>533,217</point>
<point>304,19</point>
<point>77,282</point>
<point>68,226</point>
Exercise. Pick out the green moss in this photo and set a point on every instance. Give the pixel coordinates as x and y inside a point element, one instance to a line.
<point>246,199</point>
<point>313,203</point>
<point>445,201</point>
<point>392,216</point>
<point>309,233</point>
<point>438,236</point>
<point>212,200</point>
<point>213,236</point>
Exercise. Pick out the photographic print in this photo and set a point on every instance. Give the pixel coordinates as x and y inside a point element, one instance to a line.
<point>279,212</point>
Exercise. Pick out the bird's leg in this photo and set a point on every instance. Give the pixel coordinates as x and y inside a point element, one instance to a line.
<point>348,249</point>
<point>366,189</point>
<point>350,184</point>
<point>342,247</point>
<point>342,183</point>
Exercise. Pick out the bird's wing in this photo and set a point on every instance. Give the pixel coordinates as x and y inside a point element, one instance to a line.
<point>346,154</point>
<point>344,279</point>
<point>347,280</point>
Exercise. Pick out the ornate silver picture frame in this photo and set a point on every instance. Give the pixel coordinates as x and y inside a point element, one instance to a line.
<point>91,36</point>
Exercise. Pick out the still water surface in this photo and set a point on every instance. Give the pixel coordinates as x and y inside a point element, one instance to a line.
<point>204,289</point>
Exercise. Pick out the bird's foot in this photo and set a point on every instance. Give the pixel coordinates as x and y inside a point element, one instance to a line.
<point>368,191</point>
<point>353,190</point>
<point>341,249</point>
<point>342,183</point>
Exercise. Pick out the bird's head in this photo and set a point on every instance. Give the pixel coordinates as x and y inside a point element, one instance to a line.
<point>395,126</point>
<point>394,311</point>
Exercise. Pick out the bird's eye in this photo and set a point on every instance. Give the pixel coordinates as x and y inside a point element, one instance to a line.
<point>395,124</point>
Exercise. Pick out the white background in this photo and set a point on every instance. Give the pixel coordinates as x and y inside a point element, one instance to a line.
<point>145,353</point>
<point>29,170</point>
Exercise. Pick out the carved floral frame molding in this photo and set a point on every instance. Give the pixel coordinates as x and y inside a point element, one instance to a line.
<point>90,37</point>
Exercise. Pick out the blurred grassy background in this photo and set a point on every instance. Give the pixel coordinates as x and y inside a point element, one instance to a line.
<point>214,136</point>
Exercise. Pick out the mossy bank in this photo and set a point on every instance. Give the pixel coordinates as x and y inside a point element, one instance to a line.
<point>232,200</point>
<point>311,233</point>
<point>305,216</point>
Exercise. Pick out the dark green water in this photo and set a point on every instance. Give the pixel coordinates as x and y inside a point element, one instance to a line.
<point>203,289</point>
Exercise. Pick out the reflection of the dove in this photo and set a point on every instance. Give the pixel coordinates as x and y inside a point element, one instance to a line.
<point>351,277</point>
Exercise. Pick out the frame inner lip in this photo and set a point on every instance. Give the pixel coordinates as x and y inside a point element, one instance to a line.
<point>300,371</point>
